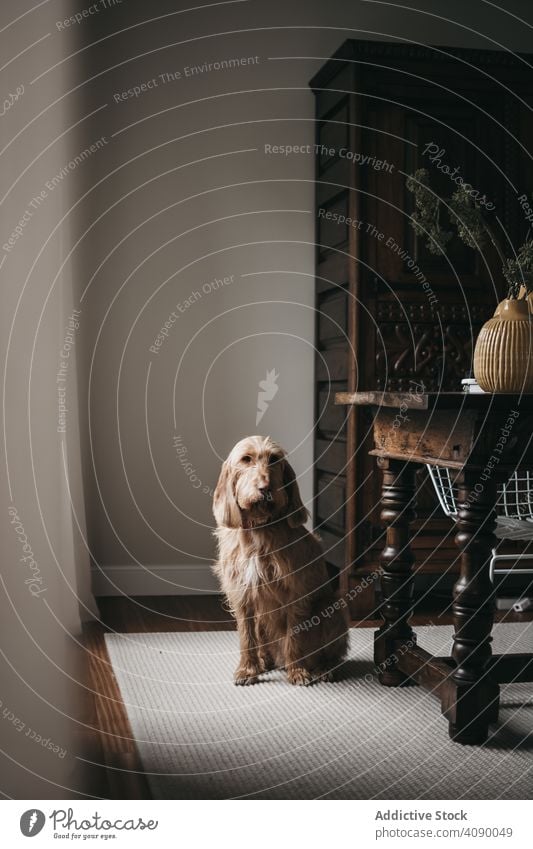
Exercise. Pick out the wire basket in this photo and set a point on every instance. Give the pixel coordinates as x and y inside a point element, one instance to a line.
<point>514,511</point>
<point>515,499</point>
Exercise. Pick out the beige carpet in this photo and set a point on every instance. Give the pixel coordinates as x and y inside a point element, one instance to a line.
<point>201,737</point>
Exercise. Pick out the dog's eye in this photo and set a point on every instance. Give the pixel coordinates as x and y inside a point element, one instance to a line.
<point>246,459</point>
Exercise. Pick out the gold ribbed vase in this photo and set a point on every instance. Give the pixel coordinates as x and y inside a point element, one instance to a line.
<point>503,356</point>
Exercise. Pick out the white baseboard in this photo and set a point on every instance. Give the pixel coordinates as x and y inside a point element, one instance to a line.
<point>134,580</point>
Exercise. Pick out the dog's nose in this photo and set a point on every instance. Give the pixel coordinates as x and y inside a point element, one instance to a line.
<point>264,489</point>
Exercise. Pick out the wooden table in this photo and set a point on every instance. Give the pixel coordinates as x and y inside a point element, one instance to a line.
<point>484,438</point>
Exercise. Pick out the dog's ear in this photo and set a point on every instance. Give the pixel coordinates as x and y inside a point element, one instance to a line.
<point>297,514</point>
<point>225,508</point>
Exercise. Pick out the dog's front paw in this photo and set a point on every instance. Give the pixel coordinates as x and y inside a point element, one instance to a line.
<point>267,662</point>
<point>299,676</point>
<point>323,675</point>
<point>245,675</point>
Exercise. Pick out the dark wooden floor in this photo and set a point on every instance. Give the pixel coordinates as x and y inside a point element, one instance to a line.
<point>114,745</point>
<point>165,613</point>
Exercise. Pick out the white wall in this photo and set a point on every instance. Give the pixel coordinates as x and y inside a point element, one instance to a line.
<point>196,198</point>
<point>41,664</point>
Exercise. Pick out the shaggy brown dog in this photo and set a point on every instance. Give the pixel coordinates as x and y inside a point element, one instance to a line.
<point>272,571</point>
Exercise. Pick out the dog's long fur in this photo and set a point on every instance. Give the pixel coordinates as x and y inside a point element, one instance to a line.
<point>272,571</point>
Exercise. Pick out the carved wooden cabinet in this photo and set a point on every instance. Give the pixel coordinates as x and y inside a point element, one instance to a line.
<point>389,313</point>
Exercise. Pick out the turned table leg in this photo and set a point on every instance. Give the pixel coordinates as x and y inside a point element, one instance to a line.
<point>397,511</point>
<point>471,698</point>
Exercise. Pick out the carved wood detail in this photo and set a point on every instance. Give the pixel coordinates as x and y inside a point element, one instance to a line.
<point>437,356</point>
